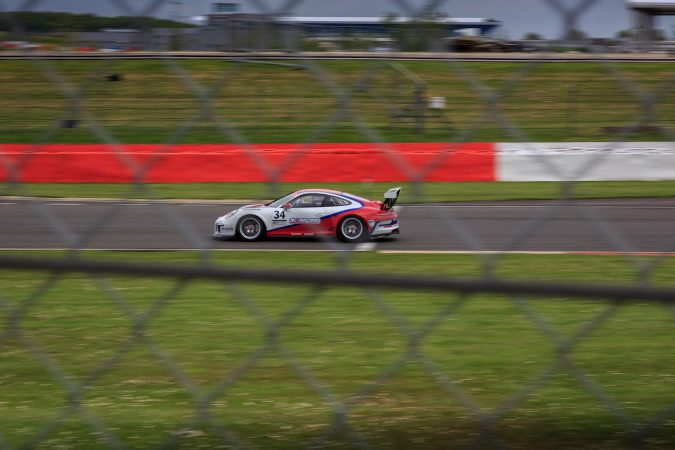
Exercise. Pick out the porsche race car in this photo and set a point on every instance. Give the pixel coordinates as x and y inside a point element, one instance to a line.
<point>313,212</point>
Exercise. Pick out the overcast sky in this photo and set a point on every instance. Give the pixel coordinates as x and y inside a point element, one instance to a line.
<point>602,19</point>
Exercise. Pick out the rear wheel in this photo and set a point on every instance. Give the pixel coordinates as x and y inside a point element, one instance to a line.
<point>352,229</point>
<point>250,228</point>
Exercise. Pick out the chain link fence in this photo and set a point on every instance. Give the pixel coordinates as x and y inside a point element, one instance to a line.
<point>210,349</point>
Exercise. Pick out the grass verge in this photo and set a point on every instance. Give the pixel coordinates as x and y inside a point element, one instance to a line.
<point>427,192</point>
<point>263,103</point>
<point>253,345</point>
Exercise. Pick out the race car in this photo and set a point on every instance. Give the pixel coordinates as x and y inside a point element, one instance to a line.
<point>313,212</point>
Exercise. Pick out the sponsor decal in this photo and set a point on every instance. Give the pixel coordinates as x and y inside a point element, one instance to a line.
<point>304,220</point>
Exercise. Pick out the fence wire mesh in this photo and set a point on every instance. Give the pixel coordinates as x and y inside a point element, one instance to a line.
<point>230,350</point>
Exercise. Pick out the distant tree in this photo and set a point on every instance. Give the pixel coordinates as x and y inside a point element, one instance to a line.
<point>657,35</point>
<point>532,37</point>
<point>625,34</point>
<point>417,34</point>
<point>575,35</point>
<point>52,22</point>
<point>390,21</point>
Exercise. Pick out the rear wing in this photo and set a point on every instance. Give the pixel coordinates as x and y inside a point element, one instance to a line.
<point>390,198</point>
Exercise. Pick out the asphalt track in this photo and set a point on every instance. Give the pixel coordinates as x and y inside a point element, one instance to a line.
<point>603,226</point>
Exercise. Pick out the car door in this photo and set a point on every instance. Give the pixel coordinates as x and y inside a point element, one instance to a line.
<point>305,215</point>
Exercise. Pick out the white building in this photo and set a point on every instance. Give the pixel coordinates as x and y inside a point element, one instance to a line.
<point>644,13</point>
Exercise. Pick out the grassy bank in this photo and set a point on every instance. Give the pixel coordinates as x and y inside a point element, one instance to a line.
<point>427,192</point>
<point>288,103</point>
<point>490,347</point>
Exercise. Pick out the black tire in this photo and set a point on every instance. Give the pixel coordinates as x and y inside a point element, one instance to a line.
<point>352,229</point>
<point>250,228</point>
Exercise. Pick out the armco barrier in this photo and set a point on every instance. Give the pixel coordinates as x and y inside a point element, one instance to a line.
<point>231,163</point>
<point>356,162</point>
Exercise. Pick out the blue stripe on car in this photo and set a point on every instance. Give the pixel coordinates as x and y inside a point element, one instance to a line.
<point>361,205</point>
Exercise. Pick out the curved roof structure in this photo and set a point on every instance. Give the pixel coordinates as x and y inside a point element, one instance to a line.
<point>664,7</point>
<point>361,25</point>
<point>379,25</point>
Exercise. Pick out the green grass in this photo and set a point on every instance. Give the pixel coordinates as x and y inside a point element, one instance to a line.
<point>264,103</point>
<point>428,192</point>
<point>346,339</point>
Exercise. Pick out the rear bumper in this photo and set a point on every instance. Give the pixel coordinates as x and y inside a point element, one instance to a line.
<point>375,236</point>
<point>385,229</point>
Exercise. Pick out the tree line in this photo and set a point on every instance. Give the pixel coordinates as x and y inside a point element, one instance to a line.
<point>53,22</point>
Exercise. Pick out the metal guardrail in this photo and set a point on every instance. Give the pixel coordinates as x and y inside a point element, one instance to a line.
<point>538,57</point>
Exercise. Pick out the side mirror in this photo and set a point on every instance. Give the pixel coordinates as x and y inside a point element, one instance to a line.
<point>287,206</point>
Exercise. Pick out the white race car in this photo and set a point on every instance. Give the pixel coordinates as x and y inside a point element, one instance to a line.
<point>313,212</point>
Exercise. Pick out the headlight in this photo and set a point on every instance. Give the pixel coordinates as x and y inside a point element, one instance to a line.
<point>230,214</point>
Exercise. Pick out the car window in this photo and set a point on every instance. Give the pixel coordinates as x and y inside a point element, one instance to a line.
<point>308,201</point>
<point>332,201</point>
<point>281,201</point>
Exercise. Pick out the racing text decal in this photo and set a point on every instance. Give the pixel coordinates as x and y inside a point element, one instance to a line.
<point>304,220</point>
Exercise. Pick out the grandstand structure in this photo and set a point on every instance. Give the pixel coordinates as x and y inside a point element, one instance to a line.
<point>235,30</point>
<point>644,14</point>
<point>225,14</point>
<point>370,26</point>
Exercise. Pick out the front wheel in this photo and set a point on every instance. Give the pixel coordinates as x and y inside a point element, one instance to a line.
<point>352,229</point>
<point>250,228</point>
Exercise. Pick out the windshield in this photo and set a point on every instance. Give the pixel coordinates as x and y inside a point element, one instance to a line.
<point>278,203</point>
